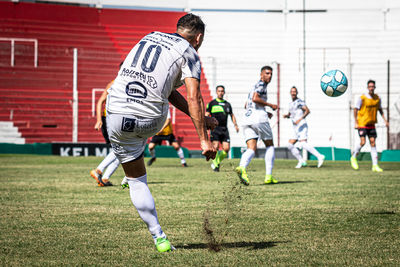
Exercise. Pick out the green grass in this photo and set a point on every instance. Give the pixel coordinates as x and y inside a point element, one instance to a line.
<point>52,213</point>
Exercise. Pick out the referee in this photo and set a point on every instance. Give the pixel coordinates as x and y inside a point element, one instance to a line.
<point>220,109</point>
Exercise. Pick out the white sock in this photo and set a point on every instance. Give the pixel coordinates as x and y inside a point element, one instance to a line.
<point>311,149</point>
<point>144,203</point>
<point>357,150</point>
<point>111,169</point>
<point>246,158</point>
<point>152,152</point>
<point>374,155</point>
<point>295,152</point>
<point>181,155</point>
<point>269,159</point>
<point>107,161</point>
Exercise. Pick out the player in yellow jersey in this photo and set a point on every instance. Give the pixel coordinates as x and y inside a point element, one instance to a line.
<point>165,134</point>
<point>365,115</point>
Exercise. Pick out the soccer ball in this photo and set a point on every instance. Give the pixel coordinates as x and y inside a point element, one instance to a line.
<point>334,83</point>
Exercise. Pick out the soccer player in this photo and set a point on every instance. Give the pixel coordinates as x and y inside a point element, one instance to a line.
<point>165,134</point>
<point>298,111</point>
<point>137,106</point>
<point>110,163</point>
<point>256,126</point>
<point>365,115</point>
<point>220,109</point>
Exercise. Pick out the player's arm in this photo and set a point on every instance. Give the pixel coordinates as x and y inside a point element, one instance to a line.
<point>286,116</point>
<point>306,111</point>
<point>196,111</point>
<point>99,107</point>
<point>176,99</point>
<point>355,118</point>
<point>234,122</point>
<point>257,99</point>
<point>383,115</point>
<point>165,124</point>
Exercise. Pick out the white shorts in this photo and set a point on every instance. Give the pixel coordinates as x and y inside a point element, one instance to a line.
<point>300,132</point>
<point>258,131</point>
<point>128,134</point>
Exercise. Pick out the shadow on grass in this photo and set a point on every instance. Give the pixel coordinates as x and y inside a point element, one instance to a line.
<point>243,244</point>
<point>383,212</point>
<point>282,182</point>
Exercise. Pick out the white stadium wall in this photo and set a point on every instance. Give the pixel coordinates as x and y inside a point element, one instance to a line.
<point>357,37</point>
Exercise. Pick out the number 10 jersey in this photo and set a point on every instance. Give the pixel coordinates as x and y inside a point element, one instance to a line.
<point>154,67</point>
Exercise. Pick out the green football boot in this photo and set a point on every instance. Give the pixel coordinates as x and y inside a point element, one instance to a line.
<point>163,244</point>
<point>241,172</point>
<point>354,163</point>
<point>376,168</point>
<point>270,180</point>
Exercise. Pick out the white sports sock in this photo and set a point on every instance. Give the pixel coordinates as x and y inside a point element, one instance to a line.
<point>152,152</point>
<point>246,158</point>
<point>106,161</point>
<point>357,149</point>
<point>311,149</point>
<point>374,155</point>
<point>295,152</point>
<point>269,159</point>
<point>111,169</point>
<point>181,155</point>
<point>144,203</point>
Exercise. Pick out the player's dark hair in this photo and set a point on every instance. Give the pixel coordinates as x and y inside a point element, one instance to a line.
<point>266,68</point>
<point>223,87</point>
<point>294,88</point>
<point>192,23</point>
<point>371,81</point>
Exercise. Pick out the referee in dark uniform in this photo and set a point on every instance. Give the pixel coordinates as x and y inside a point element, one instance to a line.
<point>220,109</point>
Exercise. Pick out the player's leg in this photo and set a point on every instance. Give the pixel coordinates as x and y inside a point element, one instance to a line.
<point>353,160</point>
<point>302,133</point>
<point>152,150</point>
<point>269,161</point>
<point>143,201</point>
<point>179,151</point>
<point>247,156</point>
<point>98,172</point>
<point>224,151</point>
<point>374,152</point>
<point>129,148</point>
<point>296,153</point>
<point>224,139</point>
<point>214,162</point>
<point>109,171</point>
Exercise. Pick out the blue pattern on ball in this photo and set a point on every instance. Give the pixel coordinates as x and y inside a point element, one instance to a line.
<point>330,86</point>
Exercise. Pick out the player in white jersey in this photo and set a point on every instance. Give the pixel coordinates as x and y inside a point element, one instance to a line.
<point>298,111</point>
<point>257,126</point>
<point>137,106</point>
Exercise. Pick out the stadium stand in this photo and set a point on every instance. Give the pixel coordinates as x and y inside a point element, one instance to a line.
<point>38,100</point>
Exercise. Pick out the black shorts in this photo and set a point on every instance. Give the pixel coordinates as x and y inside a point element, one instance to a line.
<point>220,134</point>
<point>104,129</point>
<point>157,139</point>
<point>362,132</point>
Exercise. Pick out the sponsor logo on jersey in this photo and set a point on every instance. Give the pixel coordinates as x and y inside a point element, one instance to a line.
<point>136,90</point>
<point>138,75</point>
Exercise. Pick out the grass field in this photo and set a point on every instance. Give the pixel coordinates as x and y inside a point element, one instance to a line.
<point>52,213</point>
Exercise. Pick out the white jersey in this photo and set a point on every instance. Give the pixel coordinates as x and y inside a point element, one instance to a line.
<point>154,67</point>
<point>256,113</point>
<point>296,111</point>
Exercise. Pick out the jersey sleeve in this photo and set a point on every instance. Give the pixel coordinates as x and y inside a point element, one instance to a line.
<point>192,66</point>
<point>208,107</point>
<point>358,103</point>
<point>229,109</point>
<point>259,88</point>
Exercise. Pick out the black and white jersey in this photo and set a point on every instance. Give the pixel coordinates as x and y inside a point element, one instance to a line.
<point>256,113</point>
<point>296,111</point>
<point>154,67</point>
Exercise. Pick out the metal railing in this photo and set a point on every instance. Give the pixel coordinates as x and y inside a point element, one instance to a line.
<point>14,40</point>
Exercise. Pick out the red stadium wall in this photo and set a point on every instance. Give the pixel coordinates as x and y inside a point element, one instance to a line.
<point>39,100</point>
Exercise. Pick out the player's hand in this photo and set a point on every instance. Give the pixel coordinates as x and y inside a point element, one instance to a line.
<point>298,121</point>
<point>273,106</point>
<point>208,150</point>
<point>211,123</point>
<point>356,126</point>
<point>237,128</point>
<point>98,125</point>
<point>387,123</point>
<point>285,116</point>
<point>270,115</point>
